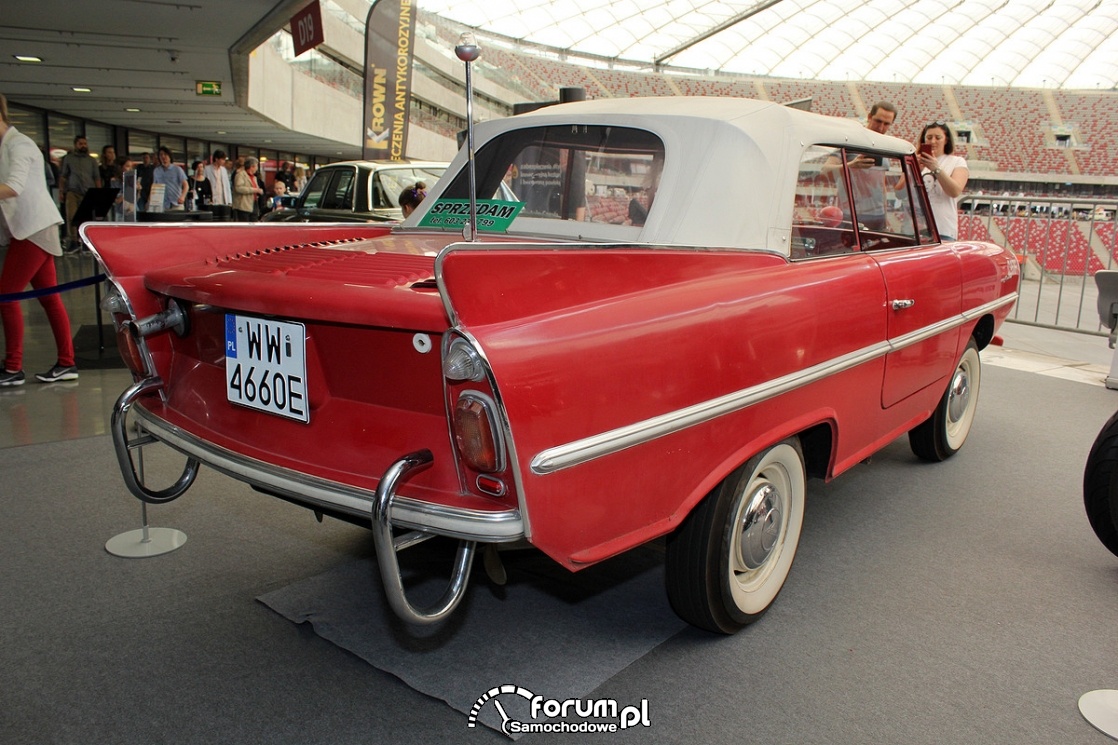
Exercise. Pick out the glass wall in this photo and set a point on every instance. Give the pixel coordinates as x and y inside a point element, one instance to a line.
<point>61,131</point>
<point>177,146</point>
<point>140,142</point>
<point>98,136</point>
<point>30,122</point>
<point>195,150</point>
<point>55,133</point>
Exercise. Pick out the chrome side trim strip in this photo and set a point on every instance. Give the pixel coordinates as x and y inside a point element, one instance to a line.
<point>589,448</point>
<point>471,525</point>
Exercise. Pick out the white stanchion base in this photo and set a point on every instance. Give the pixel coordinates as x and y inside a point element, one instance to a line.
<point>145,542</point>
<point>1100,708</point>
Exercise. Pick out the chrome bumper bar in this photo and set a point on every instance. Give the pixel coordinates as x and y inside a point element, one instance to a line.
<point>384,509</point>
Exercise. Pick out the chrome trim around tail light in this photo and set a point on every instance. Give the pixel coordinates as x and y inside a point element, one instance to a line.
<point>500,420</point>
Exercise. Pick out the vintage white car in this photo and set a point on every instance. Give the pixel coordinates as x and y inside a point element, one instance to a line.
<point>693,306</point>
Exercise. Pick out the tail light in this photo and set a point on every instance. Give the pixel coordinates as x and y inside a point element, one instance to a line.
<point>128,343</point>
<point>476,433</point>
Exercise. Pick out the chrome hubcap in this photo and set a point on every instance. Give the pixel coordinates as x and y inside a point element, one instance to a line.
<point>760,526</point>
<point>959,397</point>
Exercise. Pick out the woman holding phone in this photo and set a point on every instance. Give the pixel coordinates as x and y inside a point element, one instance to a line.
<point>945,176</point>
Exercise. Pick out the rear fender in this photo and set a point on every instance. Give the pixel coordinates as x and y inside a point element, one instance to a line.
<point>589,342</point>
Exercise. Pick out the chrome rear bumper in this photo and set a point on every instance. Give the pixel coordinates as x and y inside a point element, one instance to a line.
<point>471,525</point>
<point>383,510</point>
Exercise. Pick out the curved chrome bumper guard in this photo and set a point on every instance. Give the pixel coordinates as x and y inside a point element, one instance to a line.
<point>387,546</point>
<point>134,479</point>
<point>385,509</point>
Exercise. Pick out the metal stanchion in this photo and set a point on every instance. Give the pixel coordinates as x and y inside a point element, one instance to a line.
<point>147,541</point>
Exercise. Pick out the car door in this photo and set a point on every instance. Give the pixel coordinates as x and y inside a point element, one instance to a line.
<point>923,285</point>
<point>329,197</point>
<point>336,203</point>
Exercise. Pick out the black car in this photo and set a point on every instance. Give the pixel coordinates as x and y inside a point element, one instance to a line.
<point>356,191</point>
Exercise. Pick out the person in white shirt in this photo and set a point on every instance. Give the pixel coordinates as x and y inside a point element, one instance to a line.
<point>220,186</point>
<point>30,217</point>
<point>945,176</point>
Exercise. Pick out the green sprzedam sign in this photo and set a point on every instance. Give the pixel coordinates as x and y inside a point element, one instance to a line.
<point>493,215</point>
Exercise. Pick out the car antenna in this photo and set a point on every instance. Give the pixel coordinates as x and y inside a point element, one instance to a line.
<point>468,51</point>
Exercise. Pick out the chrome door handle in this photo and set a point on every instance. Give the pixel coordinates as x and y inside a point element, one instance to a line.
<point>902,304</point>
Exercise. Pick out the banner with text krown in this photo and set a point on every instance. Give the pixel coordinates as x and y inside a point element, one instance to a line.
<point>389,41</point>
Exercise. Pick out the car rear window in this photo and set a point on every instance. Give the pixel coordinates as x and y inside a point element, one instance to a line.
<point>596,174</point>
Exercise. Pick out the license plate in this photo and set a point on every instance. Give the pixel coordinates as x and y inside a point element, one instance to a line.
<point>266,365</point>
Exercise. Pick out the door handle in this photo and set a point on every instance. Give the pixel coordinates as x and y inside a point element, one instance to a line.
<point>902,304</point>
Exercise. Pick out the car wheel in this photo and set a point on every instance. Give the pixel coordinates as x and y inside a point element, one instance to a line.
<point>729,558</point>
<point>1100,485</point>
<point>945,431</point>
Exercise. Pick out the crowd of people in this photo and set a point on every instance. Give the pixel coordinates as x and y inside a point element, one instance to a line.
<point>231,189</point>
<point>33,227</point>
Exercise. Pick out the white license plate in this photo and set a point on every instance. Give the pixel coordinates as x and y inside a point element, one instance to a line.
<point>266,365</point>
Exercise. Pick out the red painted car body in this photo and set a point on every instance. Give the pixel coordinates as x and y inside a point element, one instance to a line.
<point>677,371</point>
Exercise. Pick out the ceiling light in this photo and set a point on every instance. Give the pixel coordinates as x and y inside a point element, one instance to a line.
<point>133,110</point>
<point>79,89</point>
<point>220,131</point>
<point>27,58</point>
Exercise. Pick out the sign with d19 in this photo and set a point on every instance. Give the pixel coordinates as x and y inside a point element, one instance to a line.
<point>306,28</point>
<point>266,366</point>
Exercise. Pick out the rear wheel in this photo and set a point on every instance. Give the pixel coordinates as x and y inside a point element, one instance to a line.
<point>728,560</point>
<point>945,431</point>
<point>1100,485</point>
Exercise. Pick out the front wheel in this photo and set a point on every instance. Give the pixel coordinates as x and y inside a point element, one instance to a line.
<point>728,560</point>
<point>1100,485</point>
<point>944,432</point>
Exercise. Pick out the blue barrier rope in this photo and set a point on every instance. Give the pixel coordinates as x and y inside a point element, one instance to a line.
<point>51,290</point>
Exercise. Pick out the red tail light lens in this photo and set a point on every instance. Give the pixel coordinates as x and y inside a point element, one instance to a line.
<point>475,434</point>
<point>128,342</point>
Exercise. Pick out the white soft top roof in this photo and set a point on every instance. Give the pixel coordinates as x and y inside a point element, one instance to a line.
<point>730,166</point>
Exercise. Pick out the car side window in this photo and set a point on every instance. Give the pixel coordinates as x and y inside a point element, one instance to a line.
<point>822,216</point>
<point>339,195</point>
<point>849,200</point>
<point>312,195</point>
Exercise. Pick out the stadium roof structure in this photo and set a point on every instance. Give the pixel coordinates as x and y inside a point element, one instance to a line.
<point>1071,44</point>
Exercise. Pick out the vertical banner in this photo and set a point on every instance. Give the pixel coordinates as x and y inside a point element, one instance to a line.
<point>389,37</point>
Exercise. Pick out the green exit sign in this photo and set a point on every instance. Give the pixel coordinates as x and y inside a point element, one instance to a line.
<point>207,88</point>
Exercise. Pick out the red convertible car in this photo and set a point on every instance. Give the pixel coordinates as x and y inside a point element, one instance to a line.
<point>692,306</point>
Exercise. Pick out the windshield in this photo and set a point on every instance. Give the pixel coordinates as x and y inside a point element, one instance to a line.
<point>389,182</point>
